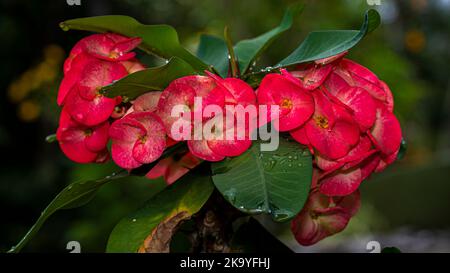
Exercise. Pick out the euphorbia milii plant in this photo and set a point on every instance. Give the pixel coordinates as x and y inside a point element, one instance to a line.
<point>193,123</point>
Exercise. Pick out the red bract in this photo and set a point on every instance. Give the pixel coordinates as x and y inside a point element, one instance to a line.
<point>332,135</point>
<point>386,132</point>
<point>212,90</point>
<point>238,94</point>
<point>80,143</point>
<point>323,216</point>
<point>182,92</point>
<point>353,131</point>
<point>296,105</point>
<point>174,167</point>
<point>109,46</point>
<point>147,102</point>
<point>84,102</point>
<point>137,138</point>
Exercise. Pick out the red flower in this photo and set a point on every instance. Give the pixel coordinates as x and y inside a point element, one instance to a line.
<point>296,105</point>
<point>215,91</point>
<point>147,102</point>
<point>323,216</point>
<point>174,167</point>
<point>80,143</point>
<point>109,47</point>
<point>353,131</point>
<point>84,101</point>
<point>137,139</point>
<point>329,131</point>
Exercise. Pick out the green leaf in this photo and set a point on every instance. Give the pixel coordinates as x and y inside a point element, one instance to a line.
<point>323,44</point>
<point>160,216</point>
<point>213,51</point>
<point>50,138</point>
<point>160,40</point>
<point>248,50</point>
<point>150,79</point>
<point>75,195</point>
<point>275,182</point>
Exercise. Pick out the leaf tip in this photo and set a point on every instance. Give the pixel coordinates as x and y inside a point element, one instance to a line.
<point>64,26</point>
<point>50,138</point>
<point>373,19</point>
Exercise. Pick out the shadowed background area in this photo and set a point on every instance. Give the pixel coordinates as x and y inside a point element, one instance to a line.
<point>407,206</point>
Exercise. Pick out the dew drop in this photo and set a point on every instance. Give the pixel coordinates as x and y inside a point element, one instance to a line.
<point>134,220</point>
<point>230,195</point>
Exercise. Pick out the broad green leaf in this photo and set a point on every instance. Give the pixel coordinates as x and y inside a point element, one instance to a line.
<point>323,44</point>
<point>275,182</point>
<point>248,50</point>
<point>213,51</point>
<point>150,79</point>
<point>75,195</point>
<point>160,40</point>
<point>160,216</point>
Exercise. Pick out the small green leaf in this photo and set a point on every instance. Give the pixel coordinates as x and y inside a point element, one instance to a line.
<point>248,50</point>
<point>213,51</point>
<point>150,79</point>
<point>323,44</point>
<point>275,182</point>
<point>50,138</point>
<point>164,211</point>
<point>75,195</point>
<point>160,40</point>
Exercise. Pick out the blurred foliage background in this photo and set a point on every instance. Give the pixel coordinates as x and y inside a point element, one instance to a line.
<point>408,205</point>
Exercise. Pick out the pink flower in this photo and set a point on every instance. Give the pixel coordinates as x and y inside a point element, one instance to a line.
<point>353,131</point>
<point>108,47</point>
<point>182,92</point>
<point>137,139</point>
<point>323,216</point>
<point>81,143</point>
<point>236,92</point>
<point>328,131</point>
<point>216,91</point>
<point>296,105</point>
<point>84,102</point>
<point>147,102</point>
<point>174,167</point>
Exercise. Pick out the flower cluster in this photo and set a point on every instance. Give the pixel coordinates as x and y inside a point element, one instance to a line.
<point>344,114</point>
<point>339,109</point>
<point>94,62</point>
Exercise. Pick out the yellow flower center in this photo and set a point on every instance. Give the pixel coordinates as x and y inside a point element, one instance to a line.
<point>321,121</point>
<point>286,104</point>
